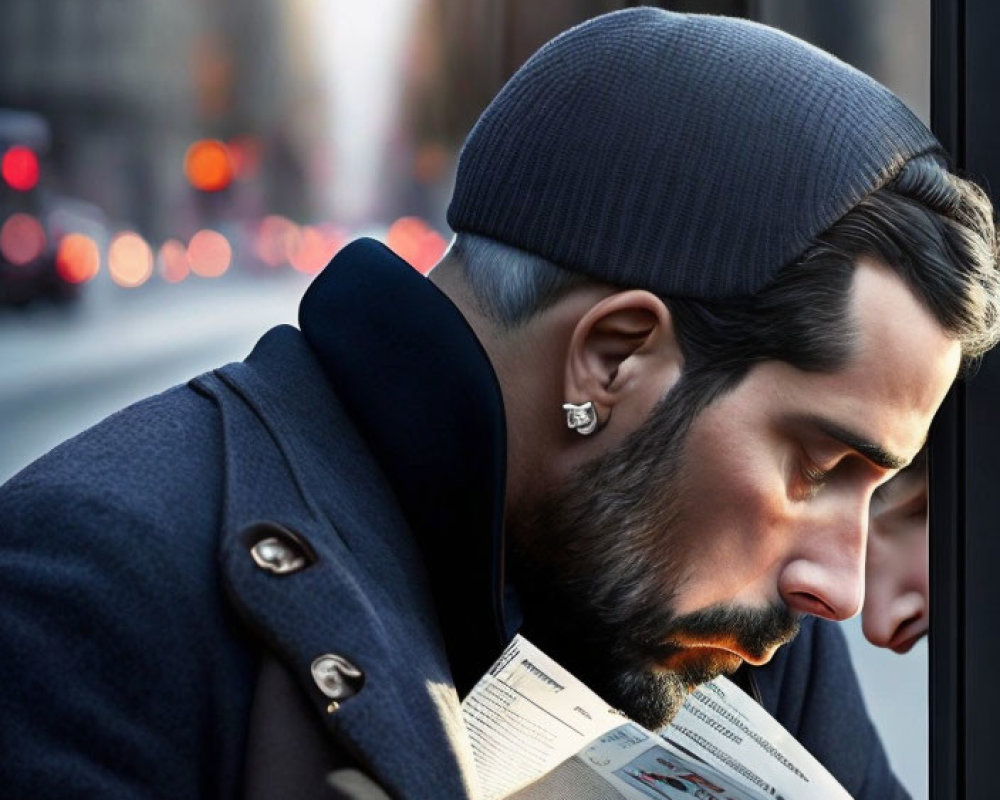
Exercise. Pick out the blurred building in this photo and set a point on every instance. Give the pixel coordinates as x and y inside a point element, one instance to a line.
<point>888,39</point>
<point>127,86</point>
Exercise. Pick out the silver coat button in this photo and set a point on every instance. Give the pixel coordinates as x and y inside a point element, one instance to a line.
<point>337,678</point>
<point>278,555</point>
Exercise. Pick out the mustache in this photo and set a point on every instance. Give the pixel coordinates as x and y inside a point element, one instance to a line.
<point>754,630</point>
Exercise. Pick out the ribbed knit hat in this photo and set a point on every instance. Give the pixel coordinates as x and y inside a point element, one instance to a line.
<point>689,155</point>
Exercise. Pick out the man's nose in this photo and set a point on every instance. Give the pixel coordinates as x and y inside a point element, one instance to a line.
<point>825,573</point>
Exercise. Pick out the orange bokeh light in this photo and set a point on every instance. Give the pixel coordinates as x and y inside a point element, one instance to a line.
<point>77,259</point>
<point>130,260</point>
<point>173,261</point>
<point>20,168</point>
<point>313,250</point>
<point>414,241</point>
<point>209,254</point>
<point>22,239</point>
<point>208,165</point>
<point>277,238</point>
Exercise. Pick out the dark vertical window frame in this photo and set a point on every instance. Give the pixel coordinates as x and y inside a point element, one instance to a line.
<point>965,479</point>
<point>946,690</point>
<point>981,634</point>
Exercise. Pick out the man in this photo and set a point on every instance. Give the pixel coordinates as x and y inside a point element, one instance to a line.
<point>709,288</point>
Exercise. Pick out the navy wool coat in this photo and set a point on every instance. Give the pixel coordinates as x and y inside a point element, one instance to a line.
<point>133,613</point>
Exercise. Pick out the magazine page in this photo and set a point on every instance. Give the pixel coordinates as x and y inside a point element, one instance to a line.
<point>723,726</point>
<point>526,716</point>
<point>538,733</point>
<point>630,763</point>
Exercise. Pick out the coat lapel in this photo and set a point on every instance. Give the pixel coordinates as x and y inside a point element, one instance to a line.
<point>294,459</point>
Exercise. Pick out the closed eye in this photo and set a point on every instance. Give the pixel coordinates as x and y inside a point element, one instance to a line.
<point>814,475</point>
<point>813,479</point>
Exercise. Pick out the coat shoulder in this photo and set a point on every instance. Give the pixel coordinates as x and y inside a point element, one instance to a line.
<point>147,457</point>
<point>116,634</point>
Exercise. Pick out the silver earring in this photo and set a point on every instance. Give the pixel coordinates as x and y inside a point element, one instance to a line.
<point>581,418</point>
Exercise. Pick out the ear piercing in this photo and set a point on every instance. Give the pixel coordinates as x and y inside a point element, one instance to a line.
<point>581,418</point>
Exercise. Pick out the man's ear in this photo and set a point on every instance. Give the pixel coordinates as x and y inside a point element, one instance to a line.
<point>623,354</point>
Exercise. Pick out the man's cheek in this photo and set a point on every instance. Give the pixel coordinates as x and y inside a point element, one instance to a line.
<point>733,554</point>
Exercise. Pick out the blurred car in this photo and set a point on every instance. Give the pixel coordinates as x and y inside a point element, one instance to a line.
<point>28,247</point>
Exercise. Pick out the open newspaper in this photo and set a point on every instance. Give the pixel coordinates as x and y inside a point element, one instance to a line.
<point>538,733</point>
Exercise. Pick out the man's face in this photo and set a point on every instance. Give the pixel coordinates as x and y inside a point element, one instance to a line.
<point>694,545</point>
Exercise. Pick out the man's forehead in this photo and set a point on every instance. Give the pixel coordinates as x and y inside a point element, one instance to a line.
<point>888,316</point>
<point>902,360</point>
<point>880,403</point>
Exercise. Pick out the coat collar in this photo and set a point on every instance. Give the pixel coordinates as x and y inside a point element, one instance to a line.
<point>418,385</point>
<point>294,459</point>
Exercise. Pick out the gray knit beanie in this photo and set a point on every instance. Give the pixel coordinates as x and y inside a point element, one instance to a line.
<point>689,155</point>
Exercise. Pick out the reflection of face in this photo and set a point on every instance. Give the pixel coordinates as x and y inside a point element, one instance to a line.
<point>896,608</point>
<point>694,545</point>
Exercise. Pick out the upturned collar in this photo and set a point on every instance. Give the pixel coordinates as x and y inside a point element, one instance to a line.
<point>420,388</point>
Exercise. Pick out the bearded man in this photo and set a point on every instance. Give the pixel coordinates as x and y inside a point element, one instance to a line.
<point>708,289</point>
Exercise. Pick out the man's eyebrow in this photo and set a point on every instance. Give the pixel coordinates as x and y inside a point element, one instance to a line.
<point>873,451</point>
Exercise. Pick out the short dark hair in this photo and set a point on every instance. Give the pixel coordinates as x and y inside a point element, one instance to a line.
<point>933,228</point>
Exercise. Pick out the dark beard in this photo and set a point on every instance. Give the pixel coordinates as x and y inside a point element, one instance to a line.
<point>623,668</point>
<point>597,570</point>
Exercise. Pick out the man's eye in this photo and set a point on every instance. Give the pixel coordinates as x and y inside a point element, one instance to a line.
<point>813,478</point>
<point>814,474</point>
